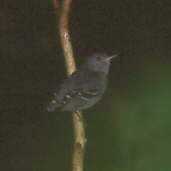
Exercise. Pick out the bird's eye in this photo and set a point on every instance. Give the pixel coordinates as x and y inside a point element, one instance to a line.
<point>98,58</point>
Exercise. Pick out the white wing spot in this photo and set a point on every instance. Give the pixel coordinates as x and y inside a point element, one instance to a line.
<point>68,96</point>
<point>84,98</point>
<point>79,94</point>
<point>53,101</point>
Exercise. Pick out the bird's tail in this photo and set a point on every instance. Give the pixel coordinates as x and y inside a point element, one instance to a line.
<point>52,106</point>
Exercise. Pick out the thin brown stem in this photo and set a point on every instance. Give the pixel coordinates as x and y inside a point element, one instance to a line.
<point>79,131</point>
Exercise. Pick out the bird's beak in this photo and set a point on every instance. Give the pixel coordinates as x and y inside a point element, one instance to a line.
<point>111,57</point>
<point>108,59</point>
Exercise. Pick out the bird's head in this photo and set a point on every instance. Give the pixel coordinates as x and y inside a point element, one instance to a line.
<point>99,62</point>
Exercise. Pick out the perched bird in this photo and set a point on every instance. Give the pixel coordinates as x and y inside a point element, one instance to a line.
<point>85,86</point>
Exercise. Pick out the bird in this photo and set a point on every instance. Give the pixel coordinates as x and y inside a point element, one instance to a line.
<point>85,87</point>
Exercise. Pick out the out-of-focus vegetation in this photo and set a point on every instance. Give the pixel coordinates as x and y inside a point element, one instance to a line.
<point>131,130</point>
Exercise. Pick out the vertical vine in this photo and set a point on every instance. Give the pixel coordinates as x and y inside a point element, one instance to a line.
<point>78,127</point>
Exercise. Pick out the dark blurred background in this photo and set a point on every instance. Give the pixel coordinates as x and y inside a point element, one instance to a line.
<point>129,129</point>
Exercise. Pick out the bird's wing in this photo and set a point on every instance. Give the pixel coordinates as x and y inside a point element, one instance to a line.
<point>81,93</point>
<point>79,98</point>
<point>77,90</point>
<point>59,96</point>
<point>66,88</point>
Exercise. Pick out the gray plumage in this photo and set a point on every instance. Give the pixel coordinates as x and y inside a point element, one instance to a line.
<point>84,87</point>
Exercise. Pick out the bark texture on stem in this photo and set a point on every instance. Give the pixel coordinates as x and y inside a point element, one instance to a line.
<point>79,131</point>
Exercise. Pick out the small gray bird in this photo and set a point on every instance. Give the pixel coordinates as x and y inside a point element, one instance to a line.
<point>85,86</point>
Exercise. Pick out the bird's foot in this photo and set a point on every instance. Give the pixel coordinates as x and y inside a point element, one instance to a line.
<point>80,118</point>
